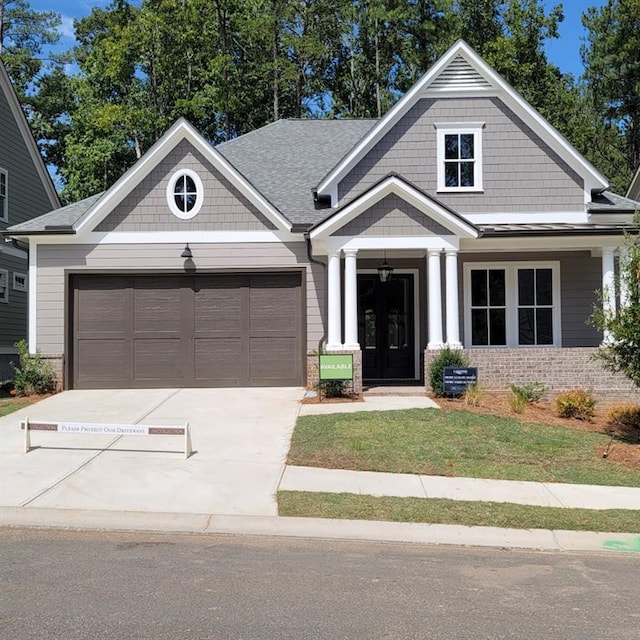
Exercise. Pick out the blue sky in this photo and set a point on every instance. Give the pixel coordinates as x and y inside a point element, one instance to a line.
<point>564,52</point>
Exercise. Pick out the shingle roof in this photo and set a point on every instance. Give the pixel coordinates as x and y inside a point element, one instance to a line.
<point>60,220</point>
<point>607,201</point>
<point>286,160</point>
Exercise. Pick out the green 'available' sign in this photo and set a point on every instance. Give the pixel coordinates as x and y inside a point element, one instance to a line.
<point>336,366</point>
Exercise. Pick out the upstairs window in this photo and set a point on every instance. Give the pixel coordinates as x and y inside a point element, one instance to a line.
<point>4,194</point>
<point>185,194</point>
<point>19,281</point>
<point>459,156</point>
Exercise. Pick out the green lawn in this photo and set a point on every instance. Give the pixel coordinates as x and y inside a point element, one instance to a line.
<point>9,405</point>
<point>434,511</point>
<point>455,443</point>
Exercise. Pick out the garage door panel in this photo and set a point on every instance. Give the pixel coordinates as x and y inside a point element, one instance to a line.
<point>158,306</point>
<point>274,303</point>
<point>274,359</point>
<point>218,305</point>
<point>158,359</point>
<point>103,308</point>
<point>102,360</point>
<point>219,359</point>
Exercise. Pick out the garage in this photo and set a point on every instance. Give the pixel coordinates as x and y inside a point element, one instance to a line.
<point>193,330</point>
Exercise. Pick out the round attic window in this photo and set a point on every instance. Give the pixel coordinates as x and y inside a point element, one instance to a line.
<point>185,194</point>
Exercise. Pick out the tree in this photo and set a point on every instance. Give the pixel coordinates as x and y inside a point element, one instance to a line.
<point>620,352</point>
<point>611,57</point>
<point>23,35</point>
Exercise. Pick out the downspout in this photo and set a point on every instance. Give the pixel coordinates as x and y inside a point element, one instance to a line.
<point>307,240</point>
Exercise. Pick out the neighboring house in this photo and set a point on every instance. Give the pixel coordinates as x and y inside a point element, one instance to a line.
<point>26,191</point>
<point>234,265</point>
<point>634,187</point>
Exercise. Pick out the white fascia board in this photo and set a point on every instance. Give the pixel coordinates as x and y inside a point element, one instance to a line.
<point>181,130</point>
<point>32,294</point>
<point>393,185</point>
<point>27,136</point>
<point>615,218</point>
<point>386,122</point>
<point>390,243</point>
<point>529,217</point>
<point>181,237</point>
<point>540,243</point>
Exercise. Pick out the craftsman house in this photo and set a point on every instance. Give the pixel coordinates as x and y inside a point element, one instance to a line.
<point>460,218</point>
<point>26,191</point>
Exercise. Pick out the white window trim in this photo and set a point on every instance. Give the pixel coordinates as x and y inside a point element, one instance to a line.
<point>4,276</point>
<point>511,283</point>
<point>16,285</point>
<point>4,211</point>
<point>199,194</point>
<point>474,128</point>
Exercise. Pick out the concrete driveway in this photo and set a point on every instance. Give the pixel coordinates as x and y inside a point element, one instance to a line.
<point>240,439</point>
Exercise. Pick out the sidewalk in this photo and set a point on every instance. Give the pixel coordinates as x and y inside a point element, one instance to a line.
<point>542,494</point>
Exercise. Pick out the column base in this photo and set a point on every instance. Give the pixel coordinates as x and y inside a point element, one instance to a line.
<point>334,347</point>
<point>351,347</point>
<point>435,346</point>
<point>454,345</point>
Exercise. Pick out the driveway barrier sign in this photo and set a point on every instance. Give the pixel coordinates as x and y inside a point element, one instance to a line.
<point>87,428</point>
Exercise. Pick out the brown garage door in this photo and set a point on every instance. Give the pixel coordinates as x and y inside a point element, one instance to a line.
<point>187,331</point>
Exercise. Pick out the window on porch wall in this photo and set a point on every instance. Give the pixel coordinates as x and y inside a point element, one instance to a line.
<point>512,305</point>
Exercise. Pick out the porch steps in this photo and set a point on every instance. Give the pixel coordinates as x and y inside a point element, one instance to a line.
<point>406,390</point>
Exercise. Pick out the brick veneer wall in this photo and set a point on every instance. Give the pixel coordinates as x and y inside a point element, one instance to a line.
<point>558,368</point>
<point>313,372</point>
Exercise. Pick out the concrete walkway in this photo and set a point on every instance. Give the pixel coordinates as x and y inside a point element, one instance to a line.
<point>542,494</point>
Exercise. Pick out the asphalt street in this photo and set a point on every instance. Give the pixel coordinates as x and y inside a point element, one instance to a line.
<point>66,584</point>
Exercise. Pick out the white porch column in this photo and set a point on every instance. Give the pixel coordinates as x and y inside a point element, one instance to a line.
<point>608,284</point>
<point>451,311</point>
<point>350,300</point>
<point>434,300</point>
<point>623,260</point>
<point>334,311</point>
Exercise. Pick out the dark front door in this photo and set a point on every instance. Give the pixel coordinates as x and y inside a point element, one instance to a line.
<point>386,327</point>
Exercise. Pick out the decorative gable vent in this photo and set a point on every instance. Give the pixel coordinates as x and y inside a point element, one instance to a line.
<point>459,75</point>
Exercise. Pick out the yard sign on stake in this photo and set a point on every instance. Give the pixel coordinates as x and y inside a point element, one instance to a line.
<point>335,366</point>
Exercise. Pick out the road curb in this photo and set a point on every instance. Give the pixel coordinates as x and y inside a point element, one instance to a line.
<point>319,528</point>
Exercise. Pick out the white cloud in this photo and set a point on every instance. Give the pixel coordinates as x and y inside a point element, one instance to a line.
<point>66,27</point>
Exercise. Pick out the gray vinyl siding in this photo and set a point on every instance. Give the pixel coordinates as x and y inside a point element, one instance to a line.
<point>54,260</point>
<point>520,172</point>
<point>392,216</point>
<point>224,207</point>
<point>13,315</point>
<point>580,278</point>
<point>26,195</point>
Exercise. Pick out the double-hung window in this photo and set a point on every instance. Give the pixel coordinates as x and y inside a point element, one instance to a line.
<point>459,156</point>
<point>4,195</point>
<point>512,304</point>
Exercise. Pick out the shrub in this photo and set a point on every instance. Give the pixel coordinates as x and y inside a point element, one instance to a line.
<point>517,402</point>
<point>577,403</point>
<point>626,417</point>
<point>32,374</point>
<point>332,388</point>
<point>530,393</point>
<point>473,395</point>
<point>445,358</point>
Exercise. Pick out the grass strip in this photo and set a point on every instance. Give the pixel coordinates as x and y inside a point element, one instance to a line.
<point>455,443</point>
<point>348,506</point>
<point>9,405</point>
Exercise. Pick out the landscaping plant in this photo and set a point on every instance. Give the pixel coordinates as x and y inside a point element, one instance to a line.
<point>530,393</point>
<point>576,403</point>
<point>446,358</point>
<point>626,417</point>
<point>32,374</point>
<point>473,395</point>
